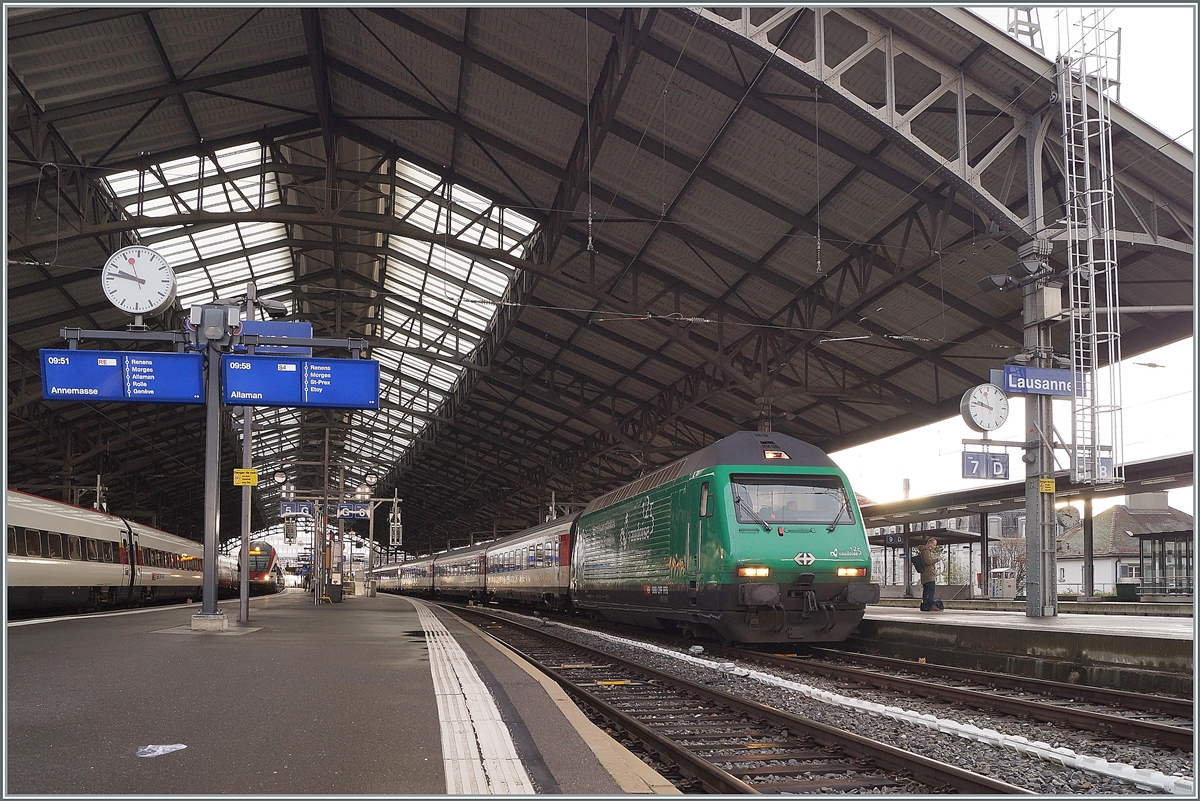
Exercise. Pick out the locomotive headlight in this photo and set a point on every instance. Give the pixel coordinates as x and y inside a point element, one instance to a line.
<point>846,572</point>
<point>753,572</point>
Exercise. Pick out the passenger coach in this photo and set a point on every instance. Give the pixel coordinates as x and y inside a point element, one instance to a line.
<point>65,557</point>
<point>533,567</point>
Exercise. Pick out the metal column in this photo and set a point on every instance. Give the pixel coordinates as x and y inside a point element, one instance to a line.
<point>1089,568</point>
<point>247,459</point>
<point>212,478</point>
<point>1041,596</point>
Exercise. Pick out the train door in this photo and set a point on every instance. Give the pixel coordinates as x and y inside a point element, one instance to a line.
<point>685,522</point>
<point>131,570</point>
<point>564,558</point>
<point>701,504</point>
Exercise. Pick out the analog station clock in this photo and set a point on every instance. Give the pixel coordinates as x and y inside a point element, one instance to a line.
<point>985,407</point>
<point>138,280</point>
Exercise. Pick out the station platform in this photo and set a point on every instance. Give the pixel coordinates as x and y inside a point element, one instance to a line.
<point>1133,652</point>
<point>372,696</point>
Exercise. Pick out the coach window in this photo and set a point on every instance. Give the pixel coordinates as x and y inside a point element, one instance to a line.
<point>56,547</point>
<point>705,501</point>
<point>106,550</point>
<point>12,540</point>
<point>93,550</point>
<point>74,548</point>
<point>537,559</point>
<point>33,542</point>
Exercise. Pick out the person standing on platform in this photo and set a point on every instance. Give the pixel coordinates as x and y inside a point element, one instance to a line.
<point>930,557</point>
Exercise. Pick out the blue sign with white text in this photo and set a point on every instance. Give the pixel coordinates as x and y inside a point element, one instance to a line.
<point>344,383</point>
<point>353,511</point>
<point>277,328</point>
<point>288,381</point>
<point>1036,380</point>
<point>140,377</point>
<point>261,380</point>
<point>295,509</point>
<point>984,465</point>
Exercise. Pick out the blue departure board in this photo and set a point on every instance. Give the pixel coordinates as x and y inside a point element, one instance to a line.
<point>124,376</point>
<point>288,381</point>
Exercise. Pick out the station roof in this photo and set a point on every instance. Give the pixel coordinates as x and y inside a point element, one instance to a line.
<point>1152,475</point>
<point>581,242</point>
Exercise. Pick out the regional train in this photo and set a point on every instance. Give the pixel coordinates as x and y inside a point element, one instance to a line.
<point>66,558</point>
<point>756,538</point>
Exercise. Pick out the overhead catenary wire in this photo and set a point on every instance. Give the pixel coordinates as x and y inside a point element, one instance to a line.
<point>677,317</point>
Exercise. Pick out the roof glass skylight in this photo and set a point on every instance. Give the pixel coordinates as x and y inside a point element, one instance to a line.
<point>206,184</point>
<point>435,298</point>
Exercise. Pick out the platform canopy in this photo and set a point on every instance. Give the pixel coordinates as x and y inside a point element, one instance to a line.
<point>582,242</point>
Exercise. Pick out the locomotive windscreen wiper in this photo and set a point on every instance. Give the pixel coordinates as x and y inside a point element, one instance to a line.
<point>838,517</point>
<point>746,505</point>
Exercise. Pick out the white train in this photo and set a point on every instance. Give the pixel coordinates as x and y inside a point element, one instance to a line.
<point>62,557</point>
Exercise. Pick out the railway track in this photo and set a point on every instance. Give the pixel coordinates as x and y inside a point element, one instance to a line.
<point>1122,715</point>
<point>1053,702</point>
<point>729,744</point>
<point>1182,708</point>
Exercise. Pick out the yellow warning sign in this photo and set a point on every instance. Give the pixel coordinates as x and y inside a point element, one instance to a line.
<point>245,478</point>
<point>1045,485</point>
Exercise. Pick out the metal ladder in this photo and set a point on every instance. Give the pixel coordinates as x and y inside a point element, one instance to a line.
<point>1083,78</point>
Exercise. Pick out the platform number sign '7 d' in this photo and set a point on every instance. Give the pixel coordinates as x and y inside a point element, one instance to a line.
<point>984,465</point>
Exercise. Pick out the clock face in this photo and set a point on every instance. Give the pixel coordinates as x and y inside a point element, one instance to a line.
<point>138,280</point>
<point>1068,517</point>
<point>985,407</point>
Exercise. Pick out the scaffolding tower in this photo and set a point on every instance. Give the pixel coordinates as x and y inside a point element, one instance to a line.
<point>1085,87</point>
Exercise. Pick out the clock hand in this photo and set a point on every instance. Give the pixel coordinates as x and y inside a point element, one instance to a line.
<point>131,277</point>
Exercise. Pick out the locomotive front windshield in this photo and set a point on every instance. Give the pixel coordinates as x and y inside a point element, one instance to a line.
<point>791,499</point>
<point>259,559</point>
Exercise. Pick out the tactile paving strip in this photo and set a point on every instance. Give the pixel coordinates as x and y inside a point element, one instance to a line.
<point>477,749</point>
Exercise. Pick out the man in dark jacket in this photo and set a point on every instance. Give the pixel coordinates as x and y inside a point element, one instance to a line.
<point>929,555</point>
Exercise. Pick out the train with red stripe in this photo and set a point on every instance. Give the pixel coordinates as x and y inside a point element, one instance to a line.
<point>64,558</point>
<point>756,538</point>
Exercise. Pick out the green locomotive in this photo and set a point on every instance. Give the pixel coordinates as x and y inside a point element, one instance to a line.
<point>757,538</point>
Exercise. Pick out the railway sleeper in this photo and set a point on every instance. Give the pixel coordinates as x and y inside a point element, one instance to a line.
<point>792,770</point>
<point>826,785</point>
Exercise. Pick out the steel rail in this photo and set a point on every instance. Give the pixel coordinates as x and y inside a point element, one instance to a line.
<point>1176,707</point>
<point>928,771</point>
<point>1164,735</point>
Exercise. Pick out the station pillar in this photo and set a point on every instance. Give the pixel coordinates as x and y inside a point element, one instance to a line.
<point>1041,543</point>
